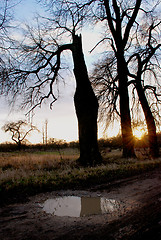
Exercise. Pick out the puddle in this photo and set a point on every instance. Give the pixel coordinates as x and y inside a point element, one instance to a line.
<point>73,206</point>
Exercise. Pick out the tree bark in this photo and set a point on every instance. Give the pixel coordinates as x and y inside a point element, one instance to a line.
<point>153,143</point>
<point>127,135</point>
<point>19,145</point>
<point>86,106</point>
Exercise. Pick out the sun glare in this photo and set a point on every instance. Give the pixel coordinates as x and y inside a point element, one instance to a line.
<point>138,132</point>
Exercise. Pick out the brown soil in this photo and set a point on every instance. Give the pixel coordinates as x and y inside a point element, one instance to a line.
<point>137,217</point>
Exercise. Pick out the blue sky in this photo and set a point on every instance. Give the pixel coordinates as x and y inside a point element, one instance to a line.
<point>26,9</point>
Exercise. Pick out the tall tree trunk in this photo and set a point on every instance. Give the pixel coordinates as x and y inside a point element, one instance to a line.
<point>19,145</point>
<point>120,36</point>
<point>127,136</point>
<point>86,105</point>
<point>153,143</point>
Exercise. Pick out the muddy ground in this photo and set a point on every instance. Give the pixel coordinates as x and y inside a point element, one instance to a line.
<point>136,216</point>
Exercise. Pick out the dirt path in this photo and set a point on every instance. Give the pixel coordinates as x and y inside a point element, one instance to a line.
<point>135,214</point>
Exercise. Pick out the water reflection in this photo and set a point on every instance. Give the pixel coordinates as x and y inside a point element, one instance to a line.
<point>79,206</point>
<point>63,206</point>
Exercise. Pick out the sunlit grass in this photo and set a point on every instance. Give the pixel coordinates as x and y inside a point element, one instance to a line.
<point>30,173</point>
<point>36,161</point>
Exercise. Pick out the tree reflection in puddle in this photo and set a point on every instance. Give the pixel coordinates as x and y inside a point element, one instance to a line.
<point>73,206</point>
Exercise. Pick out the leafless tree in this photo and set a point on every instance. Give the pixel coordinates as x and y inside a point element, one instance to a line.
<point>19,131</point>
<point>144,74</point>
<point>146,77</point>
<point>121,20</point>
<point>37,66</point>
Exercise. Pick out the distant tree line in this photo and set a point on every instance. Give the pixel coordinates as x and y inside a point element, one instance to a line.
<point>104,144</point>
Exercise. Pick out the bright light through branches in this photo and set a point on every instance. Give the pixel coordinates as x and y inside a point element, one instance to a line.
<point>139,132</point>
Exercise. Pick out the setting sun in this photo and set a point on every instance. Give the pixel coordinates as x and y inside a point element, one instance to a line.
<point>138,132</point>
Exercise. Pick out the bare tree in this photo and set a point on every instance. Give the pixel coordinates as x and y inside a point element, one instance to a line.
<point>148,64</point>
<point>19,131</point>
<point>41,61</point>
<point>121,20</point>
<point>141,59</point>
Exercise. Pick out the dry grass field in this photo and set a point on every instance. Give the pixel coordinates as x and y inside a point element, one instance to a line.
<point>27,173</point>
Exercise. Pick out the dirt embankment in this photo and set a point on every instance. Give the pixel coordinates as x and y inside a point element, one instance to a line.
<point>137,214</point>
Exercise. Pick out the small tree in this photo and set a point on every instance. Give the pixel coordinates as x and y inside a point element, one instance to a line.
<point>19,131</point>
